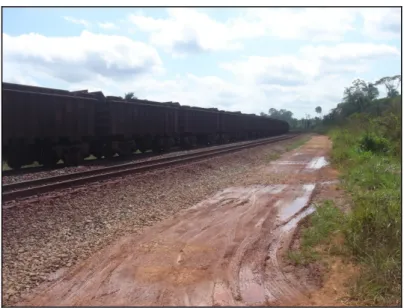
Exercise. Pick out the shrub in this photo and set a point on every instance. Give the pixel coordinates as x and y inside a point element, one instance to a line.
<point>374,143</point>
<point>371,173</point>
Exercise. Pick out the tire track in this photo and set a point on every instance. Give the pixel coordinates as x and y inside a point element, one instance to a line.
<point>222,251</point>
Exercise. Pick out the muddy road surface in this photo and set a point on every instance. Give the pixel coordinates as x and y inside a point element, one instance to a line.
<point>222,251</point>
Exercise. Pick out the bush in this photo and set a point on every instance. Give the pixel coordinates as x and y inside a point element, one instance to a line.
<point>373,143</point>
<point>371,173</point>
<point>325,222</point>
<point>367,151</point>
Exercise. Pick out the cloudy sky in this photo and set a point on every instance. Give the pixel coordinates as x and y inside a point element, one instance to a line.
<point>241,59</point>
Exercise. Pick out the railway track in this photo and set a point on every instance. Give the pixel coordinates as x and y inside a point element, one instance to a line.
<point>102,161</point>
<point>28,189</point>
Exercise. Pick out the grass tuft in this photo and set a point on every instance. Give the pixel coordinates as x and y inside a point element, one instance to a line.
<point>323,225</point>
<point>298,143</point>
<point>371,173</point>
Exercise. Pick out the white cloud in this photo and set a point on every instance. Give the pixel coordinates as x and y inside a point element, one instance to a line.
<point>189,30</point>
<point>350,51</point>
<point>310,63</point>
<point>316,75</point>
<point>382,23</point>
<point>82,22</point>
<point>281,70</point>
<point>79,58</point>
<point>108,26</point>
<point>14,73</point>
<point>302,24</point>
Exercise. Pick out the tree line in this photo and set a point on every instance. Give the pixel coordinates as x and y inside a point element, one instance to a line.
<point>361,96</point>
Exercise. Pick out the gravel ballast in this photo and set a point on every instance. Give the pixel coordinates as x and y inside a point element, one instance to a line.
<point>25,174</point>
<point>44,238</point>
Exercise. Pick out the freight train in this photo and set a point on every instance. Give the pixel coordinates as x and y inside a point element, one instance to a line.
<point>47,125</point>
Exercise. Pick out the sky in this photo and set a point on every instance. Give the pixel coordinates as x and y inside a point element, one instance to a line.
<point>236,59</point>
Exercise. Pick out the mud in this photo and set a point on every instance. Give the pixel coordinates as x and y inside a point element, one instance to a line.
<point>222,251</point>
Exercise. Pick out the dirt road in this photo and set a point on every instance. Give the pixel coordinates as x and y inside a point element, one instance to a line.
<point>222,251</point>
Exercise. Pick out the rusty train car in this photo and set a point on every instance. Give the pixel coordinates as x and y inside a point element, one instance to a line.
<point>48,125</point>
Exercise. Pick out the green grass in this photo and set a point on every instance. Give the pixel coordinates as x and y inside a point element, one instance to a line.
<point>298,143</point>
<point>273,156</point>
<point>370,167</point>
<point>6,167</point>
<point>294,145</point>
<point>323,224</point>
<point>371,174</point>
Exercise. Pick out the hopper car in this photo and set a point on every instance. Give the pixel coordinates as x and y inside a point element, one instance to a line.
<point>48,125</point>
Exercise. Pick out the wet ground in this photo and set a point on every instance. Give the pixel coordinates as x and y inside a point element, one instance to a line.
<point>222,251</point>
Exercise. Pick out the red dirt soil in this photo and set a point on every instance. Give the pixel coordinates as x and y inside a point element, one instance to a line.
<point>222,251</point>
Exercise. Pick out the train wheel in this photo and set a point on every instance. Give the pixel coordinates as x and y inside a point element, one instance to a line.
<point>97,154</point>
<point>223,139</point>
<point>143,144</point>
<point>49,158</point>
<point>168,143</point>
<point>124,154</point>
<point>186,143</point>
<point>97,151</point>
<point>156,148</point>
<point>142,149</point>
<point>109,152</point>
<point>14,162</point>
<point>126,150</point>
<point>194,141</point>
<point>72,157</point>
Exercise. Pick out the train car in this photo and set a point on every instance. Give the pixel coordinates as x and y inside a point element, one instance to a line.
<point>245,125</point>
<point>264,127</point>
<point>283,127</point>
<point>253,127</point>
<point>20,87</point>
<point>231,126</point>
<point>256,127</point>
<point>45,127</point>
<point>279,127</point>
<point>156,125</point>
<point>198,126</point>
<point>124,126</point>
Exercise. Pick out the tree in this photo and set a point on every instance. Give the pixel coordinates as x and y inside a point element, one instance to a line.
<point>357,97</point>
<point>319,110</point>
<point>362,98</point>
<point>130,95</point>
<point>281,114</point>
<point>389,83</point>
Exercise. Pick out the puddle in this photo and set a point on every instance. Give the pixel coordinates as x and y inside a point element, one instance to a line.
<point>317,163</point>
<point>329,182</point>
<point>252,292</point>
<point>222,295</point>
<point>286,162</point>
<point>293,222</point>
<point>298,203</point>
<point>57,274</point>
<point>276,189</point>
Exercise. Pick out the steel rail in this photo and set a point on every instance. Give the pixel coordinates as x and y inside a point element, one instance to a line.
<point>39,186</point>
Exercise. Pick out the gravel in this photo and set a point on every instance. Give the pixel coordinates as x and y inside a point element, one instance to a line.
<point>26,175</point>
<point>43,238</point>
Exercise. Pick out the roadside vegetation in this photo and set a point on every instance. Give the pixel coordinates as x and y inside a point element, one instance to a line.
<point>299,142</point>
<point>366,135</point>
